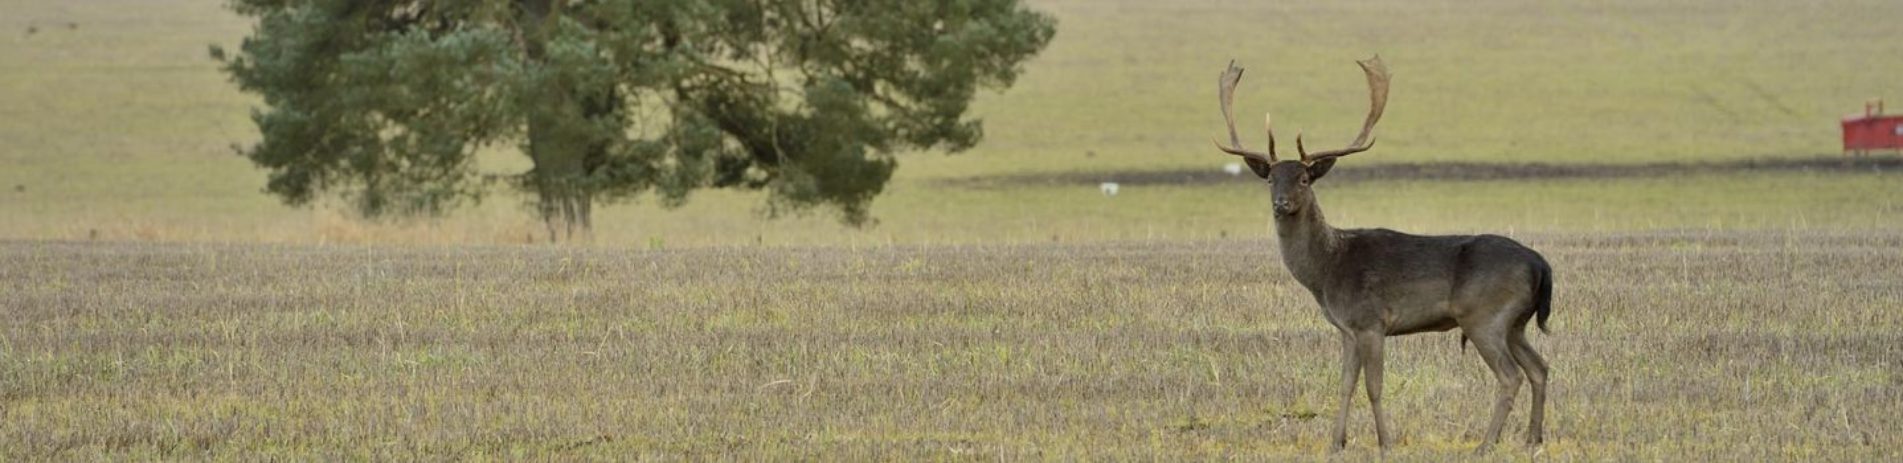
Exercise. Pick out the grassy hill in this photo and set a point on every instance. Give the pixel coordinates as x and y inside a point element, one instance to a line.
<point>116,124</point>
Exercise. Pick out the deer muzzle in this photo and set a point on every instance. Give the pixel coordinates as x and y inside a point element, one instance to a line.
<point>1284,206</point>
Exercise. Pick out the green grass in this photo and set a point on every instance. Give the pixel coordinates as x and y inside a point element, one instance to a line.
<point>1758,346</point>
<point>123,125</point>
<point>1620,81</point>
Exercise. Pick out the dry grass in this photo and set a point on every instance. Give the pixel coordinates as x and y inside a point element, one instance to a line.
<point>1675,346</point>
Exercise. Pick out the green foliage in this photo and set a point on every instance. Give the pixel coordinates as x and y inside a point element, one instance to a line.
<point>387,102</point>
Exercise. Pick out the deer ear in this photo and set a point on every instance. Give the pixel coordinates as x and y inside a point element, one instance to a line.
<point>1320,168</point>
<point>1260,168</point>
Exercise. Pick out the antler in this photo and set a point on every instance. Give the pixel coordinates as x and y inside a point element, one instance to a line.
<point>1226,85</point>
<point>1378,94</point>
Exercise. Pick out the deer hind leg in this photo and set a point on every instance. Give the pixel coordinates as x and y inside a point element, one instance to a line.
<point>1350,370</point>
<point>1494,348</point>
<point>1535,368</point>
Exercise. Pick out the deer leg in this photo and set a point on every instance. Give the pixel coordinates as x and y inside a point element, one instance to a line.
<point>1371,364</point>
<point>1350,370</point>
<point>1493,347</point>
<point>1535,368</point>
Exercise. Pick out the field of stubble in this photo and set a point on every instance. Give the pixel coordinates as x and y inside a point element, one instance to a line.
<point>1667,346</point>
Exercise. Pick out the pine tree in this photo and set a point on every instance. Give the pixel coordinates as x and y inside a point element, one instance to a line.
<point>385,102</point>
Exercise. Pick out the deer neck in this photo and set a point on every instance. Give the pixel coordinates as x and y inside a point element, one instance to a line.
<point>1308,244</point>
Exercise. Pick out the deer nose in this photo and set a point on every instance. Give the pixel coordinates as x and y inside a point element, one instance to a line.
<point>1282,205</point>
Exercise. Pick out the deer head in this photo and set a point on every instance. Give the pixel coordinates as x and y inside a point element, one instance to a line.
<point>1290,179</point>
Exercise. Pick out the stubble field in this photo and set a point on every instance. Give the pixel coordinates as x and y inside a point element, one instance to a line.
<point>1667,346</point>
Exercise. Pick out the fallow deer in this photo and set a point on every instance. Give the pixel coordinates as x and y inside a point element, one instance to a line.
<point>1375,283</point>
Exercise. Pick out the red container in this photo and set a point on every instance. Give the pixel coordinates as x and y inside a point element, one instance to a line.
<point>1873,130</point>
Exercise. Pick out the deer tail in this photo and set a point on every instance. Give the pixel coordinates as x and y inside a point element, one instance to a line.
<point>1543,294</point>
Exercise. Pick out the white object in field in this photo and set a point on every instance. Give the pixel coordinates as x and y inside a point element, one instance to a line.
<point>1233,168</point>
<point>1109,188</point>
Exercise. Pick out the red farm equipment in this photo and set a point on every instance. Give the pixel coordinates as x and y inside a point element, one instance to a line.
<point>1873,130</point>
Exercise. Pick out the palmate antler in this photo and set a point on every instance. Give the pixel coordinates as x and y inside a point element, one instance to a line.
<point>1377,92</point>
<point>1378,96</point>
<point>1226,89</point>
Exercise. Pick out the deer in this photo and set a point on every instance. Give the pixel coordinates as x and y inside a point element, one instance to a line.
<point>1376,283</point>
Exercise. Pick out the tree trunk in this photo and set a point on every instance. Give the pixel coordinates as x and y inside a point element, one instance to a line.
<point>559,177</point>
<point>561,141</point>
<point>567,149</point>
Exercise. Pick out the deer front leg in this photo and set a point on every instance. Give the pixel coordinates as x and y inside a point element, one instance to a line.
<point>1370,347</point>
<point>1350,371</point>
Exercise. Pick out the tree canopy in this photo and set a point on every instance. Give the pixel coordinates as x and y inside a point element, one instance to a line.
<point>386,102</point>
